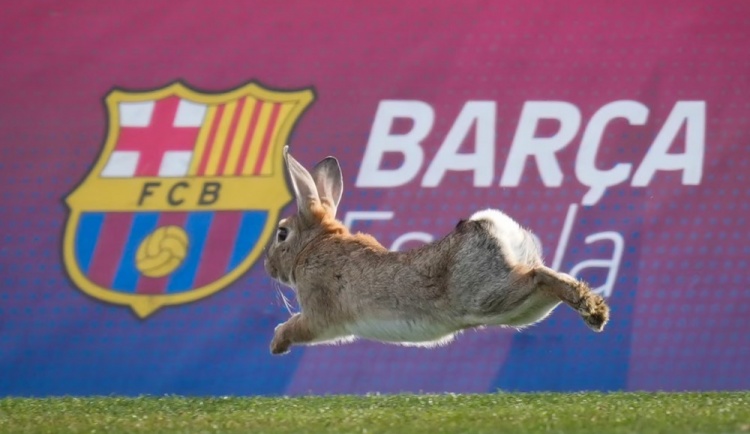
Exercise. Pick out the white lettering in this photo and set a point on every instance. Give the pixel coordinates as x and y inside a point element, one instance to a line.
<point>562,243</point>
<point>352,216</point>
<point>408,144</point>
<point>693,115</point>
<point>586,171</point>
<point>482,160</point>
<point>411,236</point>
<point>613,264</point>
<point>543,149</point>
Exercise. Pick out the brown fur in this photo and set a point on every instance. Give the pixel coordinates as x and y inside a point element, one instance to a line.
<point>350,285</point>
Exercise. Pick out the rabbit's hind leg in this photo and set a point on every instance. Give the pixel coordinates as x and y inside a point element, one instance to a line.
<point>517,302</point>
<point>576,294</point>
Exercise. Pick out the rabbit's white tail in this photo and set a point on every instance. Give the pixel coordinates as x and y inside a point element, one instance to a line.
<point>518,245</point>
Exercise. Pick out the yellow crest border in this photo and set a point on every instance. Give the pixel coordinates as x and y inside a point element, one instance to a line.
<point>145,305</point>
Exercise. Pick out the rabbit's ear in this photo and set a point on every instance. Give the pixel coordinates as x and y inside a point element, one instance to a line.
<point>304,187</point>
<point>329,182</point>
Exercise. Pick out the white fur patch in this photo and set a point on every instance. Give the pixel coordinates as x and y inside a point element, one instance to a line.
<point>513,239</point>
<point>404,332</point>
<point>333,341</point>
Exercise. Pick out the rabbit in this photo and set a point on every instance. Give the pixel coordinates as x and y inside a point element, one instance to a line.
<point>487,272</point>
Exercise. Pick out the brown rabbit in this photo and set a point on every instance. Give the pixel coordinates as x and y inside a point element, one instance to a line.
<point>488,271</point>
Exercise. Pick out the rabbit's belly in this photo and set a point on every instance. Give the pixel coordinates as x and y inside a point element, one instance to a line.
<point>401,330</point>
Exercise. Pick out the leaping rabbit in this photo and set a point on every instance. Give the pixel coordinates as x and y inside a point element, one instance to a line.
<point>487,272</point>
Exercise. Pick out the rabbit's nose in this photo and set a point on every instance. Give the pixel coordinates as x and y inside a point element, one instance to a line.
<point>269,269</point>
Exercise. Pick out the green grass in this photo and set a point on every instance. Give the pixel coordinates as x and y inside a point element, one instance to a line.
<point>492,413</point>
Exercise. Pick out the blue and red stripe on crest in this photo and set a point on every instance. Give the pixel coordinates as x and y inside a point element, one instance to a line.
<point>156,285</point>
<point>218,241</point>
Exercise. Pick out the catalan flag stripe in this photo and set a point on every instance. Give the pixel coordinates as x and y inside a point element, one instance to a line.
<point>266,168</point>
<point>250,134</point>
<point>217,147</point>
<point>231,135</point>
<point>257,139</point>
<point>238,138</point>
<point>203,136</point>
<point>267,138</point>
<point>211,139</point>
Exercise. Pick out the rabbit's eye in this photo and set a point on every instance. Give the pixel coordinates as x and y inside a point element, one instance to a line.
<point>282,233</point>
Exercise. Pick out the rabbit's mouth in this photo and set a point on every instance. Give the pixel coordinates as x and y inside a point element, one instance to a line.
<point>274,273</point>
<point>270,269</point>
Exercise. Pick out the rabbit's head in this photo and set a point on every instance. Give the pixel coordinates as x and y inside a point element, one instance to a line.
<point>317,193</point>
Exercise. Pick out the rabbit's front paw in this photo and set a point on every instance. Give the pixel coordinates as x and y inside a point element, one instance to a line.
<point>279,345</point>
<point>594,311</point>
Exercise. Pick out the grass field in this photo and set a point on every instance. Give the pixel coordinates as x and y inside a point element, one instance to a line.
<point>492,413</point>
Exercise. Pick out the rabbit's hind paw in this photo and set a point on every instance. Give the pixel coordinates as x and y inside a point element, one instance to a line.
<point>594,311</point>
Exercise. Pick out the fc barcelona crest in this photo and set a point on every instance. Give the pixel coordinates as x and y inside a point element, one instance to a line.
<point>185,193</point>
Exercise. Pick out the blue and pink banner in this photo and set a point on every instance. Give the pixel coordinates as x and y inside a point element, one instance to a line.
<point>140,158</point>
